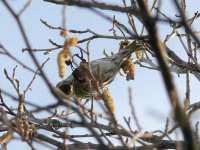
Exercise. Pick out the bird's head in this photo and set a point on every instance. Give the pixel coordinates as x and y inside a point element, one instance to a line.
<point>66,87</point>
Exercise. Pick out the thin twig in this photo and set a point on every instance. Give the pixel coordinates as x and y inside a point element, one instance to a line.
<point>133,110</point>
<point>34,77</point>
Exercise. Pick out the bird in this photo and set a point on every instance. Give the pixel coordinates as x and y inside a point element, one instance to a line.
<point>86,82</point>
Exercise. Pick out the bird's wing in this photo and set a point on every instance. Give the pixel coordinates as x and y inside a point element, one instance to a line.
<point>104,70</point>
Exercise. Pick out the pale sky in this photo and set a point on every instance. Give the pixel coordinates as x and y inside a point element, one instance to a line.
<point>149,95</point>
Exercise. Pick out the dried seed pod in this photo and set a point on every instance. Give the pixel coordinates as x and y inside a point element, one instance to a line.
<point>128,68</point>
<point>139,54</point>
<point>65,55</point>
<point>124,44</point>
<point>186,103</point>
<point>64,33</point>
<point>73,41</point>
<point>66,50</point>
<point>109,100</point>
<point>131,74</point>
<point>26,130</point>
<point>6,137</point>
<point>61,65</point>
<point>18,124</point>
<point>33,131</point>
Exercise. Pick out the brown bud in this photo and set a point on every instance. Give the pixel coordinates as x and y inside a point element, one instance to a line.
<point>64,33</point>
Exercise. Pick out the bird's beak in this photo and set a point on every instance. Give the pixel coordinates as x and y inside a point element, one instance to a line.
<point>135,45</point>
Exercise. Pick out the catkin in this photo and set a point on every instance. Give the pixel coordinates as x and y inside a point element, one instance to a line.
<point>65,55</point>
<point>109,100</point>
